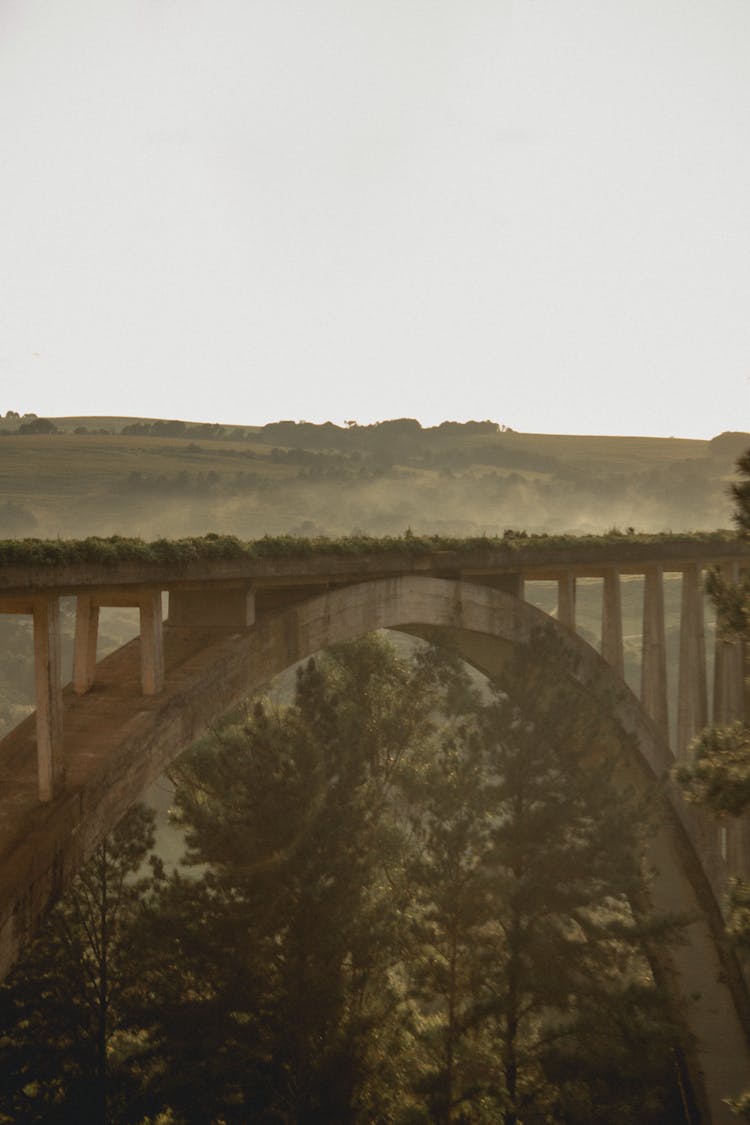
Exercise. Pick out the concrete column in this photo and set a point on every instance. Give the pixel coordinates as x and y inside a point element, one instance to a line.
<point>49,703</point>
<point>654,662</point>
<point>729,687</point>
<point>692,694</point>
<point>612,621</point>
<point>566,599</point>
<point>86,638</point>
<point>152,643</point>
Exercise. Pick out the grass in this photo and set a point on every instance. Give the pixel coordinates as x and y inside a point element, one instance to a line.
<point>44,468</point>
<point>113,550</point>
<point>56,465</point>
<point>581,449</point>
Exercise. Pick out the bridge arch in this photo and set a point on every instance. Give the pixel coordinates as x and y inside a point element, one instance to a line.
<point>207,671</point>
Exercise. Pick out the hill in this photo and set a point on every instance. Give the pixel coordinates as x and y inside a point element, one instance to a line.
<point>165,477</point>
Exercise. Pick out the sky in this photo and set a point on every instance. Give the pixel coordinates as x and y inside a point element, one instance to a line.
<point>534,211</point>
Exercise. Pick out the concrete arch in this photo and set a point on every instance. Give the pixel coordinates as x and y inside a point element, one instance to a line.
<point>206,673</point>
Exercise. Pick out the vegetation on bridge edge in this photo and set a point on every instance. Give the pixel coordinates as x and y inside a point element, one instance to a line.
<point>118,549</point>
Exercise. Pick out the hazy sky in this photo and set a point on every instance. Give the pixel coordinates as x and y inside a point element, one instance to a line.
<point>242,210</point>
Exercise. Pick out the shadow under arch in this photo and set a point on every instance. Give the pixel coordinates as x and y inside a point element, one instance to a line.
<point>207,673</point>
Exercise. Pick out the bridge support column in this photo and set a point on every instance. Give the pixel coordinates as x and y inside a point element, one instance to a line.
<point>692,697</point>
<point>152,643</point>
<point>612,621</point>
<point>49,702</point>
<point>654,662</point>
<point>86,638</point>
<point>566,599</point>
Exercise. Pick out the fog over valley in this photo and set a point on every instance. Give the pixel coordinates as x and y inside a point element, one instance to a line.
<point>170,478</point>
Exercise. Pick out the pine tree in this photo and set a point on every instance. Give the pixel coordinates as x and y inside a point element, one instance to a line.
<point>537,995</point>
<point>295,928</point>
<point>63,1051</point>
<point>405,902</point>
<point>718,775</point>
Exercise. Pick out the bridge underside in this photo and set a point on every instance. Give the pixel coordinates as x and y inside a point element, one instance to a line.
<point>116,741</point>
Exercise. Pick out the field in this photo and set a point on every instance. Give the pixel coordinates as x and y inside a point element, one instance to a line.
<point>308,480</point>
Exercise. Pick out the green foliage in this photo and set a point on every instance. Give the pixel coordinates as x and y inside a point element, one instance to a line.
<point>295,925</point>
<point>732,601</point>
<point>719,772</point>
<point>739,913</point>
<point>62,1040</point>
<point>38,426</point>
<point>415,907</point>
<point>718,775</point>
<point>741,1106</point>
<point>116,549</point>
<point>741,495</point>
<point>406,901</point>
<point>531,961</point>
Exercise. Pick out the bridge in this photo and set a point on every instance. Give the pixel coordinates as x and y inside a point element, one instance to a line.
<point>71,770</point>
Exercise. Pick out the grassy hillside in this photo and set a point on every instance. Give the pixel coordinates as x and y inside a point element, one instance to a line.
<point>176,479</point>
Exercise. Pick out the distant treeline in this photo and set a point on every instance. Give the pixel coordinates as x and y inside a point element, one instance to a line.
<point>312,436</point>
<point>289,433</point>
<point>390,434</point>
<point>680,484</point>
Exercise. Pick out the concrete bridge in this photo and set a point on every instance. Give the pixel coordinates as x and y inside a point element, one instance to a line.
<point>70,771</point>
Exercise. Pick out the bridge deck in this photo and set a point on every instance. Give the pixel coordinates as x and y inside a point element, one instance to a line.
<point>534,558</point>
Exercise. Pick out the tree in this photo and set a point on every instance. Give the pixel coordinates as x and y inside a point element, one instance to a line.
<point>718,775</point>
<point>539,999</point>
<point>412,906</point>
<point>59,1007</point>
<point>276,972</point>
<point>37,426</point>
<point>406,901</point>
<point>451,816</point>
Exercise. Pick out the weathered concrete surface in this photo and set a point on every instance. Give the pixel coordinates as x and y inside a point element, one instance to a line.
<point>116,741</point>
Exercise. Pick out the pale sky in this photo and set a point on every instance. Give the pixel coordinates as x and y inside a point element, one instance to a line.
<point>534,211</point>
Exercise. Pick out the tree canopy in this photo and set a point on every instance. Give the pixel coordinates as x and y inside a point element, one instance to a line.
<point>409,896</point>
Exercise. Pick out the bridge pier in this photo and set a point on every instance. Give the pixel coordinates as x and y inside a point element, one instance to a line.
<point>152,643</point>
<point>566,599</point>
<point>84,647</point>
<point>49,699</point>
<point>654,660</point>
<point>612,650</point>
<point>45,613</point>
<point>692,695</point>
